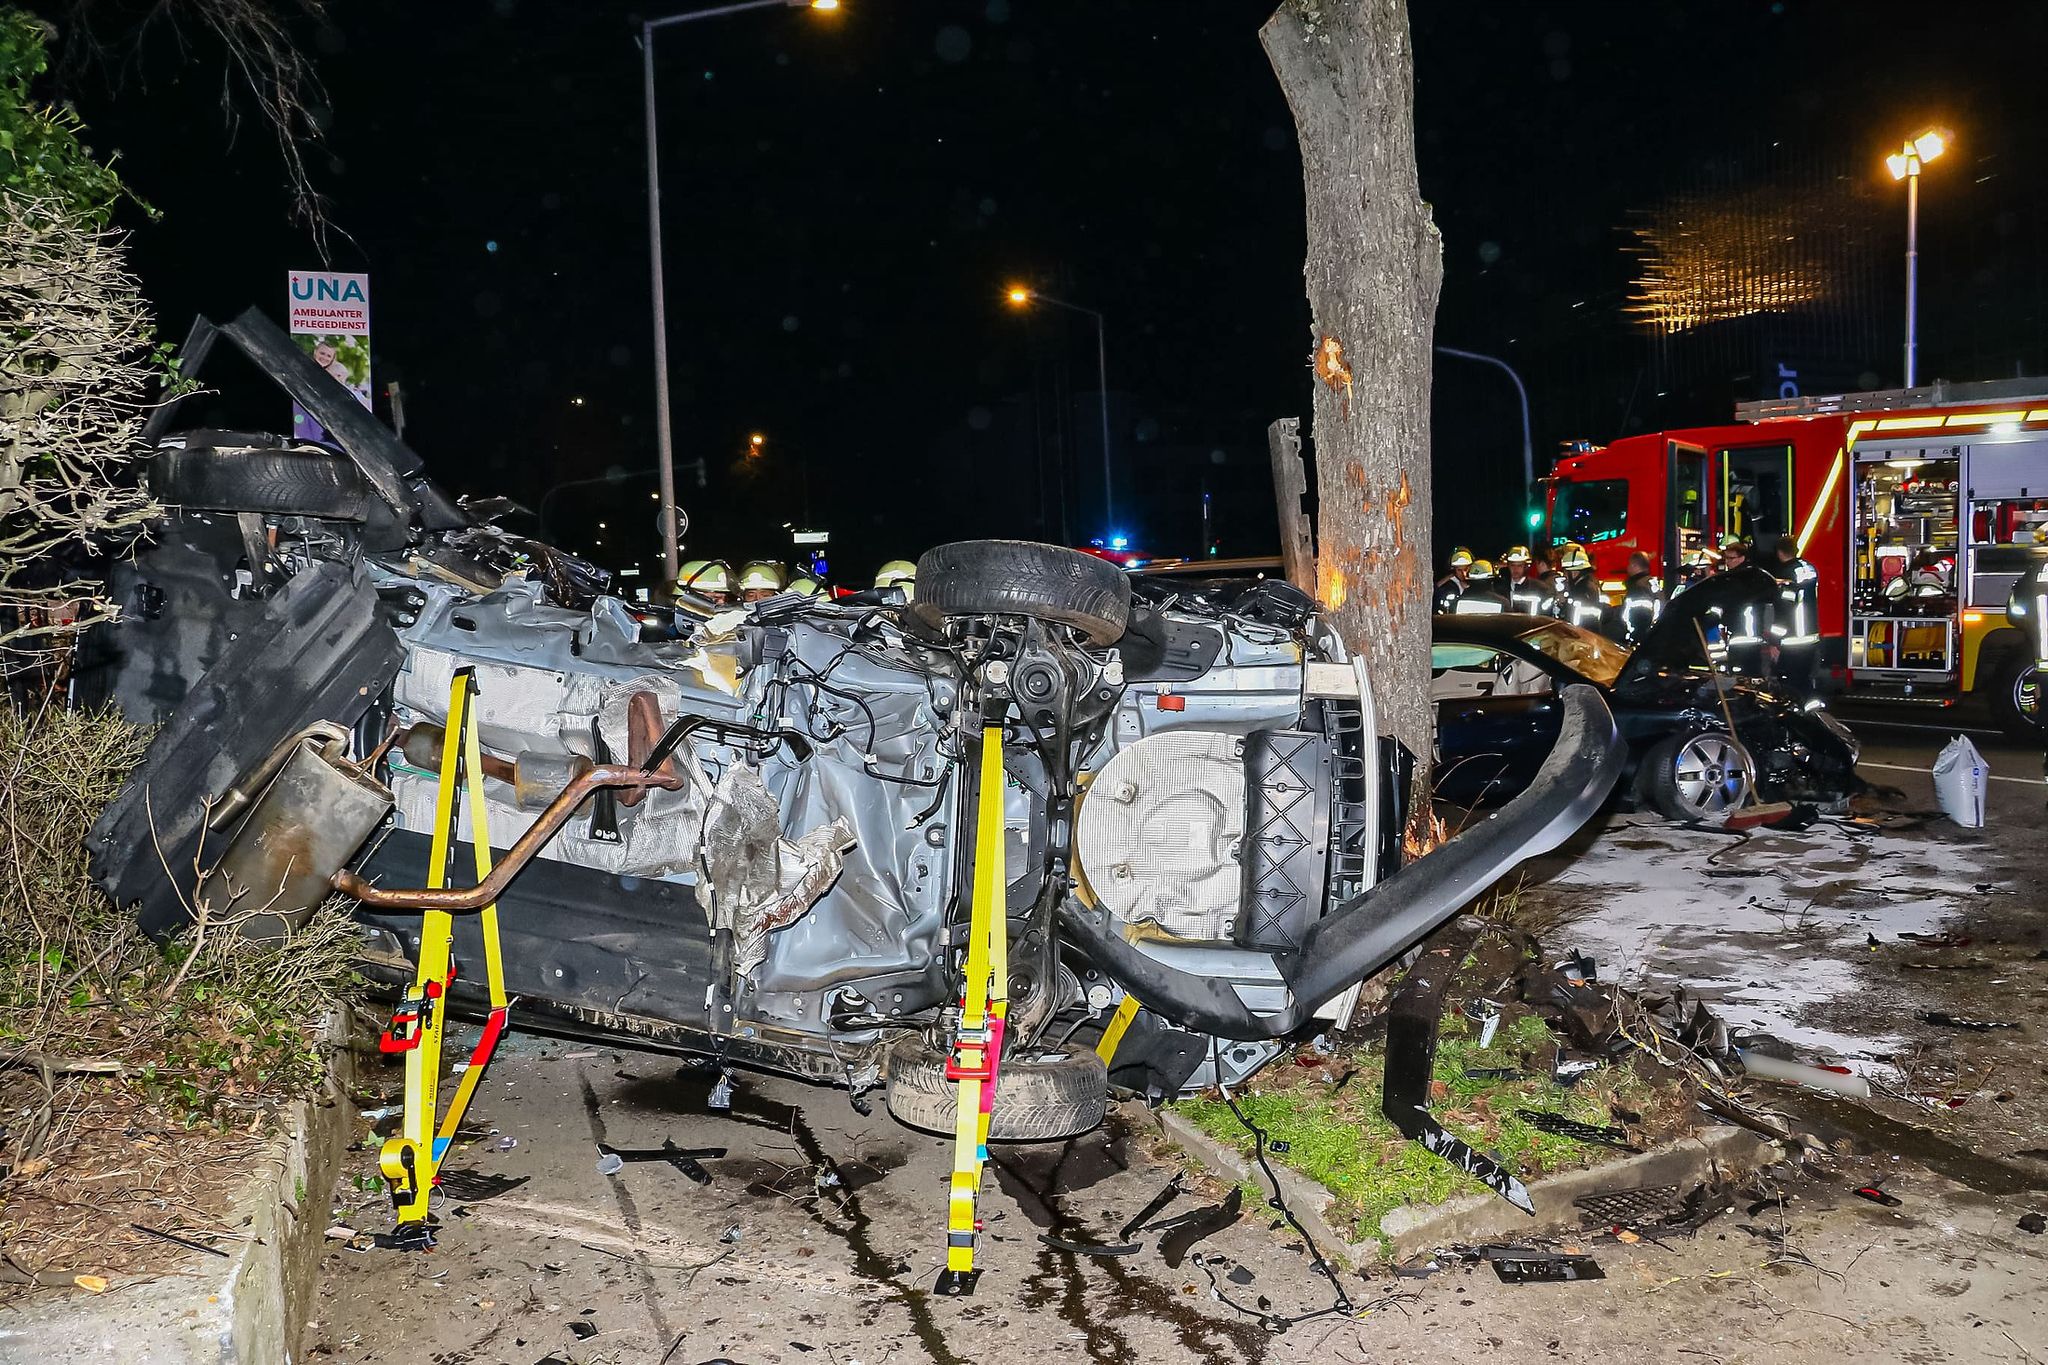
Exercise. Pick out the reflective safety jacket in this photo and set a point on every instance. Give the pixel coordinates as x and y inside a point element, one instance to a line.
<point>1581,603</point>
<point>1530,595</point>
<point>2027,608</point>
<point>1797,618</point>
<point>1448,591</point>
<point>1642,602</point>
<point>1479,599</point>
<point>1746,624</point>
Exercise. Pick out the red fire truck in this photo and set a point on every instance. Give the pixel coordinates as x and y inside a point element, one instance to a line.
<point>1917,507</point>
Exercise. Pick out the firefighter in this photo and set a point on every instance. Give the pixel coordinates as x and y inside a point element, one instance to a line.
<point>1520,587</point>
<point>1481,597</point>
<point>1795,623</point>
<point>1451,586</point>
<point>1579,601</point>
<point>1746,627</point>
<point>2028,609</point>
<point>761,580</point>
<point>900,574</point>
<point>1642,600</point>
<point>1696,565</point>
<point>710,579</point>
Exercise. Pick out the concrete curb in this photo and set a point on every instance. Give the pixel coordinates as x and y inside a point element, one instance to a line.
<point>1481,1217</point>
<point>246,1310</point>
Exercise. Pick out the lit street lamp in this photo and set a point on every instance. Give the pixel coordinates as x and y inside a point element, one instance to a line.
<point>1905,165</point>
<point>1020,297</point>
<point>671,530</point>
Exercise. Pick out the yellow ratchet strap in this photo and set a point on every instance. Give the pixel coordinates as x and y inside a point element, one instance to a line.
<point>1113,1032</point>
<point>977,1050</point>
<point>411,1161</point>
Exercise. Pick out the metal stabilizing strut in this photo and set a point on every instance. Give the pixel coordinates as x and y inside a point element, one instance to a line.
<point>976,1058</point>
<point>411,1161</point>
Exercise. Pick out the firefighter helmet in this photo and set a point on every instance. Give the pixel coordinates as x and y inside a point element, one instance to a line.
<point>1698,555</point>
<point>1572,557</point>
<point>1734,542</point>
<point>1481,571</point>
<point>1460,557</point>
<point>761,575</point>
<point>805,584</point>
<point>898,573</point>
<point>1517,554</point>
<point>713,577</point>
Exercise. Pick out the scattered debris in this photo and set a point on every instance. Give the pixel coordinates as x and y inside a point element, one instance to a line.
<point>1941,940</point>
<point>1655,1209</point>
<point>176,1240</point>
<point>1151,1210</point>
<point>684,1159</point>
<point>1834,1079</point>
<point>1546,1269</point>
<point>1411,1054</point>
<point>1089,1248</point>
<point>2035,1223</point>
<point>1964,1021</point>
<point>505,1144</point>
<point>91,1284</point>
<point>731,1235</point>
<point>1187,1231</point>
<point>582,1331</point>
<point>382,1112</point>
<point>1878,1196</point>
<point>1584,1132</point>
<point>721,1093</point>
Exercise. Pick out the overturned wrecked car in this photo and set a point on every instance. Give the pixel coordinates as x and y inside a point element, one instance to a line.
<point>752,834</point>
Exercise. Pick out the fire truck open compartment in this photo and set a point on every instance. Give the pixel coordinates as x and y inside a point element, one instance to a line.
<point>1903,564</point>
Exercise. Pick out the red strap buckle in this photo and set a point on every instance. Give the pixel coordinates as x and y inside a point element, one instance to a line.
<point>407,1020</point>
<point>956,1070</point>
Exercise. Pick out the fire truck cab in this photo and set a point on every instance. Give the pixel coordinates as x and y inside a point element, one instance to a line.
<point>1918,508</point>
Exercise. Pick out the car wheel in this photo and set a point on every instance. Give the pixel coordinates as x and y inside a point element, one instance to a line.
<point>2016,697</point>
<point>1699,777</point>
<point>288,482</point>
<point>1024,578</point>
<point>1038,1098</point>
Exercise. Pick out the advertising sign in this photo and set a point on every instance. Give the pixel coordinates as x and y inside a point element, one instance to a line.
<point>330,320</point>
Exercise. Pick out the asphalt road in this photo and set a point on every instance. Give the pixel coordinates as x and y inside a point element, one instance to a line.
<point>821,1231</point>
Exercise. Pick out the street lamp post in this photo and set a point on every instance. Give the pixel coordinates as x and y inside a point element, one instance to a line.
<point>671,537</point>
<point>1528,449</point>
<point>1022,298</point>
<point>1905,165</point>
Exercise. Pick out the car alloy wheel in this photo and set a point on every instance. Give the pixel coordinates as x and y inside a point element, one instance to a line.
<point>1711,774</point>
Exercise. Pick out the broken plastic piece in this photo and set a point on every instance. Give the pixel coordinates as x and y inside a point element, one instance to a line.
<point>721,1093</point>
<point>1151,1209</point>
<point>1964,1021</point>
<point>2035,1223</point>
<point>583,1331</point>
<point>1878,1196</point>
<point>1544,1122</point>
<point>1547,1269</point>
<point>1411,1056</point>
<point>610,1163</point>
<point>1799,1073</point>
<point>1090,1248</point>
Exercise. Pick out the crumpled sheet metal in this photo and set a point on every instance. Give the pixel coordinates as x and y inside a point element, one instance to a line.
<point>754,881</point>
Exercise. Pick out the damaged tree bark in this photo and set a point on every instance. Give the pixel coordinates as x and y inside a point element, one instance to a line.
<point>1374,265</point>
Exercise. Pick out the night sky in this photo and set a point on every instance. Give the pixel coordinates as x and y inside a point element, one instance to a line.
<point>847,194</point>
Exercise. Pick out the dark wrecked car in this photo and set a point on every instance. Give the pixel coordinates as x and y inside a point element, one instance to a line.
<point>751,836</point>
<point>1497,682</point>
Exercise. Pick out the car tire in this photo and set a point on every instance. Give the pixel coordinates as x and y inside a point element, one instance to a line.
<point>1696,777</point>
<point>1038,1098</point>
<point>2015,676</point>
<point>1024,578</point>
<point>286,482</point>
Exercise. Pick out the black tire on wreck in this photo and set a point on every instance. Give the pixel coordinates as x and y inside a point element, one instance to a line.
<point>290,481</point>
<point>1024,578</point>
<point>1038,1099</point>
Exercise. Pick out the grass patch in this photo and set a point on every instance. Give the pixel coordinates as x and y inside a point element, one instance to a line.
<point>1338,1137</point>
<point>130,1069</point>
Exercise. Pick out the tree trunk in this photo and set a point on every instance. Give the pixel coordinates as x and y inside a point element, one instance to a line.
<point>1374,264</point>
